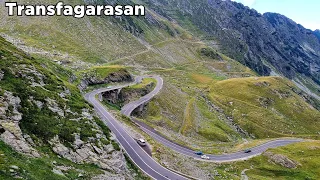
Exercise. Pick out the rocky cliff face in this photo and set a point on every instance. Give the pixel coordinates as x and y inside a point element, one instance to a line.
<point>9,123</point>
<point>294,48</point>
<point>125,95</point>
<point>261,42</point>
<point>91,78</point>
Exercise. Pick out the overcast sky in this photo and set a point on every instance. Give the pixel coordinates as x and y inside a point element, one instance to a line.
<point>304,12</point>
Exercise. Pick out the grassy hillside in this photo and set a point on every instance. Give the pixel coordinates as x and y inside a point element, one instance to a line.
<point>189,66</point>
<point>206,109</point>
<point>266,106</point>
<point>145,82</point>
<point>41,168</point>
<point>42,111</point>
<point>31,81</point>
<point>304,158</point>
<point>182,106</point>
<point>88,39</point>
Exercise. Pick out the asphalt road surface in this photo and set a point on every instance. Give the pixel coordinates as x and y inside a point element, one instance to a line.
<point>141,158</point>
<point>144,161</point>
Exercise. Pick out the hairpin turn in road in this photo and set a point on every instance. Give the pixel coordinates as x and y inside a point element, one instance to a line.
<point>144,161</point>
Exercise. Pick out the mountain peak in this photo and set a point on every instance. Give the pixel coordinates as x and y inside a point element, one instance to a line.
<point>317,33</point>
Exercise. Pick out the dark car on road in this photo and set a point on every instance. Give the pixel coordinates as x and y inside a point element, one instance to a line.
<point>247,151</point>
<point>199,153</point>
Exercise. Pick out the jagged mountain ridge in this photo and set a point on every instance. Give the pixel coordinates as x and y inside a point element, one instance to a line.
<point>317,33</point>
<point>254,39</point>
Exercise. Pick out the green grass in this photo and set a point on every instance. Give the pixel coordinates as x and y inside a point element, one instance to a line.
<point>266,106</point>
<point>212,127</point>
<point>100,36</point>
<point>43,123</point>
<point>144,83</point>
<point>285,116</point>
<point>102,71</point>
<point>135,169</point>
<point>306,154</point>
<point>89,39</point>
<point>111,106</point>
<point>189,118</point>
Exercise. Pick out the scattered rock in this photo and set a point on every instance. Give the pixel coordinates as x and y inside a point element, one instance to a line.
<point>72,78</point>
<point>65,93</point>
<point>54,107</point>
<point>97,150</point>
<point>222,116</point>
<point>262,84</point>
<point>39,104</point>
<point>86,114</point>
<point>9,125</point>
<point>64,168</point>
<point>78,142</point>
<point>14,167</point>
<point>10,106</point>
<point>57,171</point>
<point>36,79</point>
<point>265,101</point>
<point>33,50</point>
<point>281,160</point>
<point>109,148</point>
<point>28,139</point>
<point>18,143</point>
<point>314,147</point>
<point>281,94</point>
<point>107,159</point>
<point>109,176</point>
<point>1,75</point>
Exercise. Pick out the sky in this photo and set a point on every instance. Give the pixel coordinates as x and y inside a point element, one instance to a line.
<point>304,12</point>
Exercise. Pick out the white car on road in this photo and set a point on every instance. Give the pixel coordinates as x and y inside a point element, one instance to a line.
<point>205,157</point>
<point>141,142</point>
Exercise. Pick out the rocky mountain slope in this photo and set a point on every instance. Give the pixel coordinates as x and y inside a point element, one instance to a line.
<point>317,33</point>
<point>265,43</point>
<point>40,109</point>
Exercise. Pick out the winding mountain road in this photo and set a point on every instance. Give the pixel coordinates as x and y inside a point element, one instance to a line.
<point>144,161</point>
